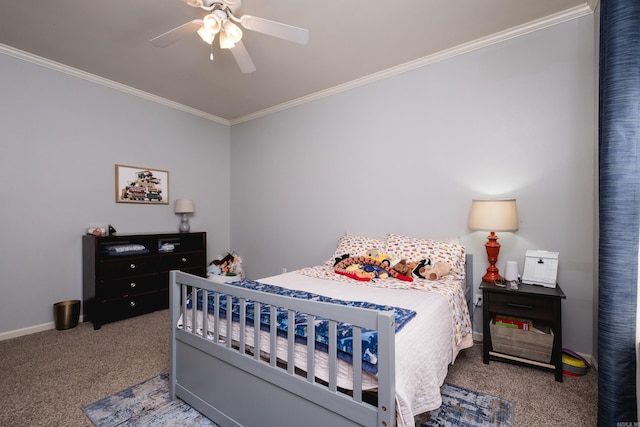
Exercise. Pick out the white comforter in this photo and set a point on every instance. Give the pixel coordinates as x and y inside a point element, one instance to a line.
<point>423,346</point>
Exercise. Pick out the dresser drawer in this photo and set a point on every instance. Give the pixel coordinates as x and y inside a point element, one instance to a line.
<point>129,266</point>
<point>134,305</point>
<point>129,286</point>
<point>521,305</point>
<point>181,261</point>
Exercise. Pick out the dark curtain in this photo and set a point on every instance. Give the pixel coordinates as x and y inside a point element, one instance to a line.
<point>619,151</point>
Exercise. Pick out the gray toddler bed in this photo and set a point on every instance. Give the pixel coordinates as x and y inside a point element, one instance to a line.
<point>281,384</point>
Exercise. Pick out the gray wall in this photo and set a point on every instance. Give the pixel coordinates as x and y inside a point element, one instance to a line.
<point>408,153</point>
<point>61,137</point>
<point>404,155</point>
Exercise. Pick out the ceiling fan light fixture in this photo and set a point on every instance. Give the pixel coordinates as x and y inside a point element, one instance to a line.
<point>222,18</point>
<point>206,35</point>
<point>225,41</point>
<point>212,23</point>
<point>234,33</point>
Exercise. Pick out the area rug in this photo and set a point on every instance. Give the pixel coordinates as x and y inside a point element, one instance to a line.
<point>145,404</point>
<point>468,408</point>
<point>148,404</point>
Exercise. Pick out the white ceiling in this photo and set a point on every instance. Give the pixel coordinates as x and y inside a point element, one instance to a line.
<point>351,42</point>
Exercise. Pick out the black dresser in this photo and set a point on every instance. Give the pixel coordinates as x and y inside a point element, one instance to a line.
<point>120,279</point>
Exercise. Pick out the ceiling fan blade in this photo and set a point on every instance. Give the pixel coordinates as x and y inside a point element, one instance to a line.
<point>172,36</point>
<point>275,29</point>
<point>242,58</point>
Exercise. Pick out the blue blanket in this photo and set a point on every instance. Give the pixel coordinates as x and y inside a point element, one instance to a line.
<point>344,331</point>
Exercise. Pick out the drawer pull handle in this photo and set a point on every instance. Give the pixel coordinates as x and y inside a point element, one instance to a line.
<point>132,303</point>
<point>528,307</point>
<point>133,285</point>
<point>184,259</point>
<point>132,266</point>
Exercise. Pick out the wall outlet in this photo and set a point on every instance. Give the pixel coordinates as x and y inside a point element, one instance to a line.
<point>478,302</point>
<point>284,270</point>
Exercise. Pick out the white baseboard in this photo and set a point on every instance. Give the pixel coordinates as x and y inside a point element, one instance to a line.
<point>30,330</point>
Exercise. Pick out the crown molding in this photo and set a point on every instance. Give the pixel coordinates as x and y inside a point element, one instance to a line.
<point>34,59</point>
<point>513,32</point>
<point>558,18</point>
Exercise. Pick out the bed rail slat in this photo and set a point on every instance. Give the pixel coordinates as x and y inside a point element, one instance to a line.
<point>311,345</point>
<point>291,339</point>
<point>194,313</point>
<point>333,355</point>
<point>386,357</point>
<point>242,321</point>
<point>356,334</point>
<point>229,324</point>
<point>205,318</point>
<point>257,327</point>
<point>183,301</point>
<point>216,317</point>
<point>273,343</point>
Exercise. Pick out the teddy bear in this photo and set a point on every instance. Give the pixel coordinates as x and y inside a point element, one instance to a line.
<point>403,267</point>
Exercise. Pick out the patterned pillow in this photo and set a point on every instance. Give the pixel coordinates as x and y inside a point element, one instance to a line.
<point>355,245</point>
<point>412,249</point>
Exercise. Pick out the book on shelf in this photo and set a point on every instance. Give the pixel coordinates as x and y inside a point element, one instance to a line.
<point>513,322</point>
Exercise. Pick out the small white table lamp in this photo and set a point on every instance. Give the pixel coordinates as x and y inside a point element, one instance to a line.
<point>184,207</point>
<point>493,215</point>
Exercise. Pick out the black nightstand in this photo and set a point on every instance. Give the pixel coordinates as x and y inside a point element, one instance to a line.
<point>542,305</point>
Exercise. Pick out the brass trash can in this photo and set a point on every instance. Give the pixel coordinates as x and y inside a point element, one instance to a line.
<point>66,314</point>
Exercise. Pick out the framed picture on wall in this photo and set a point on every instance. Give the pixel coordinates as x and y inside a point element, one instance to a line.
<point>142,185</point>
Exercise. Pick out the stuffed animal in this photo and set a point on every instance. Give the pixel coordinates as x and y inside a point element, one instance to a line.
<point>213,270</point>
<point>403,267</point>
<point>365,268</point>
<point>228,265</point>
<point>376,254</point>
<point>375,272</point>
<point>436,271</point>
<point>340,258</point>
<point>419,268</point>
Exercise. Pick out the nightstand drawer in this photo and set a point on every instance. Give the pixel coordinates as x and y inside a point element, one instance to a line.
<point>181,261</point>
<point>129,266</point>
<point>129,286</point>
<point>521,305</point>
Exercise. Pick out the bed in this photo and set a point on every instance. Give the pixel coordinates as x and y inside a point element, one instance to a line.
<point>278,382</point>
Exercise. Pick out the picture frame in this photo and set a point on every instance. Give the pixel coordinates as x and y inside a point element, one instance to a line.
<point>135,184</point>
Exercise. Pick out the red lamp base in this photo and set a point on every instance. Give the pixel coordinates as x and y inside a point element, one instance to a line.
<point>491,276</point>
<point>493,249</point>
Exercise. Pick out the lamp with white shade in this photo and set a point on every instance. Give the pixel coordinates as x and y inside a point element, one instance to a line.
<point>184,207</point>
<point>492,216</point>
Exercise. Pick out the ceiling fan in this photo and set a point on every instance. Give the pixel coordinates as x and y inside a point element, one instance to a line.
<point>222,21</point>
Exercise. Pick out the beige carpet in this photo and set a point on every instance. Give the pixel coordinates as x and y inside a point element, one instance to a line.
<point>46,378</point>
